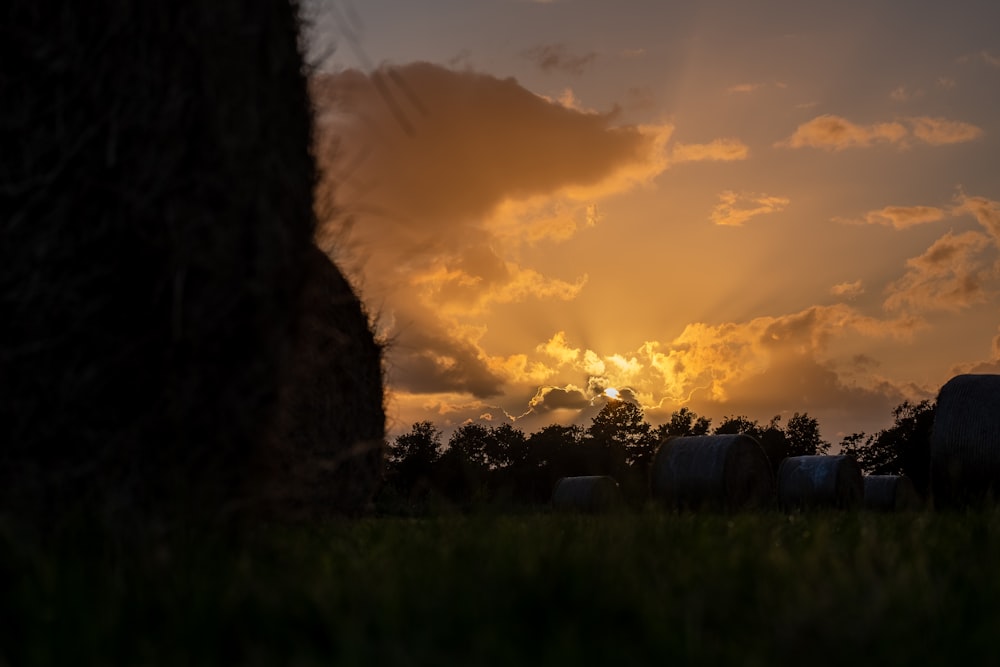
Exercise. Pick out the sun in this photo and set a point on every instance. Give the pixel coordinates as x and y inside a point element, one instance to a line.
<point>611,392</point>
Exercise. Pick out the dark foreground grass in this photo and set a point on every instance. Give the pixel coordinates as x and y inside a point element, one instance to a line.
<point>539,589</point>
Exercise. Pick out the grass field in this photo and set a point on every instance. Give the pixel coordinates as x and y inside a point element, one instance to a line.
<point>522,589</point>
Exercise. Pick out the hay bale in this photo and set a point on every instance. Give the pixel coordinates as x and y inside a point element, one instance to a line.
<point>725,472</point>
<point>965,441</point>
<point>589,493</point>
<point>889,493</point>
<point>812,482</point>
<point>327,452</point>
<point>158,195</point>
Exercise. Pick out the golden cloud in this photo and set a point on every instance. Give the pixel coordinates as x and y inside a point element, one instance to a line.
<point>848,290</point>
<point>941,131</point>
<point>743,88</point>
<point>950,275</point>
<point>985,211</point>
<point>835,133</point>
<point>734,208</point>
<point>899,217</point>
<point>725,150</point>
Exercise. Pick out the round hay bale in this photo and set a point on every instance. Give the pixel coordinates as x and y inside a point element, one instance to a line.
<point>589,493</point>
<point>812,482</point>
<point>158,211</point>
<point>327,453</point>
<point>890,493</point>
<point>965,441</point>
<point>723,472</point>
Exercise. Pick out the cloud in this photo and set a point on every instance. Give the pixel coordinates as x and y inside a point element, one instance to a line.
<point>848,290</point>
<point>557,348</point>
<point>758,367</point>
<point>940,131</point>
<point>899,217</point>
<point>983,56</point>
<point>985,211</point>
<point>900,94</point>
<point>743,88</point>
<point>557,58</point>
<point>834,133</point>
<point>432,179</point>
<point>548,399</point>
<point>471,281</point>
<point>950,275</point>
<point>749,87</point>
<point>708,360</point>
<point>734,208</point>
<point>987,366</point>
<point>724,150</point>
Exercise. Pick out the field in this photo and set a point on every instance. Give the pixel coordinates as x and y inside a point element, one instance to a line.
<point>537,589</point>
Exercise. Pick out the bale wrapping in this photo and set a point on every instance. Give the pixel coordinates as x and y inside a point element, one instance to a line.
<point>589,493</point>
<point>890,493</point>
<point>965,441</point>
<point>158,214</point>
<point>724,472</point>
<point>813,482</point>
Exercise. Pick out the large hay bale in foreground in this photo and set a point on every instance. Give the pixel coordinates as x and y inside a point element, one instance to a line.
<point>813,482</point>
<point>965,441</point>
<point>588,493</point>
<point>326,455</point>
<point>724,472</point>
<point>158,197</point>
<point>890,493</point>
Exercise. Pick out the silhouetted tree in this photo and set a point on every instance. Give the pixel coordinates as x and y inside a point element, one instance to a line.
<point>507,447</point>
<point>739,424</point>
<point>683,422</point>
<point>802,436</point>
<point>412,458</point>
<point>620,426</point>
<point>903,448</point>
<point>625,442</point>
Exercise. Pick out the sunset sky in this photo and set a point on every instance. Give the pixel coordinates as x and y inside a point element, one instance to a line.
<point>743,208</point>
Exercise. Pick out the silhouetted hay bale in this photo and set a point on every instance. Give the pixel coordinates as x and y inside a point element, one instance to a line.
<point>327,450</point>
<point>889,493</point>
<point>724,472</point>
<point>965,441</point>
<point>589,493</point>
<point>809,482</point>
<point>157,188</point>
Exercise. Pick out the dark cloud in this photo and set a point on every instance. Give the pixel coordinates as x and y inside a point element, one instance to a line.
<point>557,58</point>
<point>548,399</point>
<point>430,359</point>
<point>476,140</point>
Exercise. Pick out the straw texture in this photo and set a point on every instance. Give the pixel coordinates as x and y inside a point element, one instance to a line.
<point>807,482</point>
<point>158,212</point>
<point>965,441</point>
<point>725,472</point>
<point>890,493</point>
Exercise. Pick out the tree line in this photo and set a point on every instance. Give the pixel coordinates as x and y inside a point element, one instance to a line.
<point>500,464</point>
